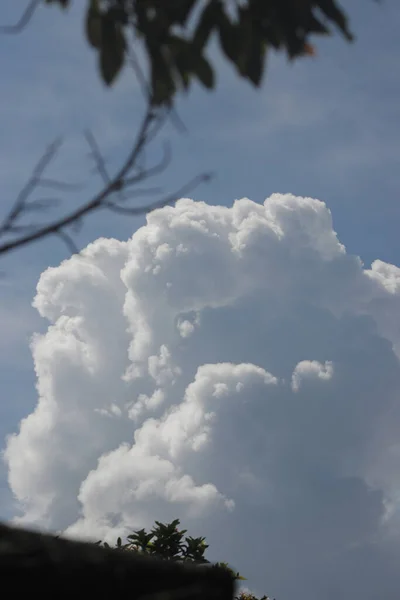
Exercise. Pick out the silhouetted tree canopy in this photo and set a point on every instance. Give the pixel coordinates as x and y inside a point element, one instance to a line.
<point>175,35</point>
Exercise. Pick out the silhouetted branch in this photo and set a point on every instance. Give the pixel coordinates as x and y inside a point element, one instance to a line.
<point>129,175</point>
<point>59,185</point>
<point>147,91</point>
<point>155,170</point>
<point>24,19</point>
<point>98,158</point>
<point>188,187</point>
<point>20,203</point>
<point>68,241</point>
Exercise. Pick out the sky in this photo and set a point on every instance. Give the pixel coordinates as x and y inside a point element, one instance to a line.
<point>232,361</point>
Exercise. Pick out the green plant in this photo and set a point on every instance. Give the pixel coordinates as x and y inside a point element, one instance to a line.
<point>168,542</point>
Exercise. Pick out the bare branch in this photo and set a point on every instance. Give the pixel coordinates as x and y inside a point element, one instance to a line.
<point>41,204</point>
<point>116,189</point>
<point>68,241</point>
<point>139,210</point>
<point>22,228</point>
<point>143,192</point>
<point>151,125</point>
<point>24,19</point>
<point>59,185</point>
<point>98,158</point>
<point>155,170</point>
<point>146,90</point>
<point>125,197</point>
<point>23,196</point>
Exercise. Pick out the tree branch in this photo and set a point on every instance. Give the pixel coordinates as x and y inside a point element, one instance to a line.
<point>188,187</point>
<point>23,196</point>
<point>129,175</point>
<point>24,19</point>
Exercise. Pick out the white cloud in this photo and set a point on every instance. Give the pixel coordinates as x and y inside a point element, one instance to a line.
<point>310,369</point>
<point>141,417</point>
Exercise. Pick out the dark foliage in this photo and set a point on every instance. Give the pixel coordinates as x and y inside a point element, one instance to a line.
<point>35,564</point>
<point>175,35</point>
<point>168,542</point>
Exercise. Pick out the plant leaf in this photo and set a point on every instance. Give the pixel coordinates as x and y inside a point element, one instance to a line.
<point>112,51</point>
<point>93,24</point>
<point>206,24</point>
<point>204,71</point>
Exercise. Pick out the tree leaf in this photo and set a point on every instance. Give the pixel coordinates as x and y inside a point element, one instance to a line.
<point>256,61</point>
<point>181,52</point>
<point>178,12</point>
<point>246,33</point>
<point>204,72</point>
<point>207,22</point>
<point>162,83</point>
<point>184,73</point>
<point>335,14</point>
<point>112,51</point>
<point>93,24</point>
<point>228,36</point>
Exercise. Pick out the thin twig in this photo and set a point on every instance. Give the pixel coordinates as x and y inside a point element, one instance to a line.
<point>24,19</point>
<point>151,171</point>
<point>59,185</point>
<point>116,184</point>
<point>126,197</point>
<point>20,203</point>
<point>147,91</point>
<point>137,193</point>
<point>98,158</point>
<point>40,204</point>
<point>68,241</point>
<point>188,187</point>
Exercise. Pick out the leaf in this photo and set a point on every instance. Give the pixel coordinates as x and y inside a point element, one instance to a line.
<point>206,24</point>
<point>188,60</point>
<point>119,14</point>
<point>178,12</point>
<point>180,51</point>
<point>228,36</point>
<point>183,72</point>
<point>315,26</point>
<point>256,61</point>
<point>309,49</point>
<point>112,51</point>
<point>204,71</point>
<point>163,86</point>
<point>333,12</point>
<point>245,41</point>
<point>93,24</point>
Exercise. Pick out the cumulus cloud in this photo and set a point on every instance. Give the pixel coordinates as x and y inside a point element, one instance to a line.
<point>237,369</point>
<point>310,369</point>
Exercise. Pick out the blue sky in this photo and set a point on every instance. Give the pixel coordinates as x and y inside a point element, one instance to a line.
<point>326,128</point>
